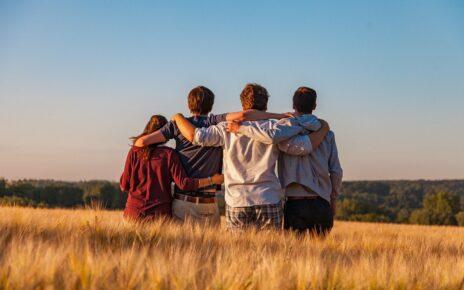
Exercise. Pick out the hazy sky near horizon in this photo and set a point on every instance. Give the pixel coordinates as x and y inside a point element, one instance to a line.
<point>78,78</point>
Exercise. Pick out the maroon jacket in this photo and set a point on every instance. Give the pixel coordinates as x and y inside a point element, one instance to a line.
<point>148,182</point>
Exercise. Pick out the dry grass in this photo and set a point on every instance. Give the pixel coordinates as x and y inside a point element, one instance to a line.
<point>85,249</point>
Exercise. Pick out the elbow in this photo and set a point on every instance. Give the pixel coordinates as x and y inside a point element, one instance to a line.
<point>190,137</point>
<point>140,142</point>
<point>188,184</point>
<point>244,116</point>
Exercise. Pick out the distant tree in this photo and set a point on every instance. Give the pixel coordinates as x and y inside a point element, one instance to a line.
<point>460,218</point>
<point>438,209</point>
<point>106,195</point>
<point>2,187</point>
<point>16,201</point>
<point>60,195</point>
<point>403,216</point>
<point>21,189</point>
<point>420,216</point>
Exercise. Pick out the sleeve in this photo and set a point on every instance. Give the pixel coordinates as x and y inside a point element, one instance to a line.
<point>169,130</point>
<point>179,175</point>
<point>212,136</point>
<point>299,145</point>
<point>309,122</point>
<point>124,182</point>
<point>335,169</point>
<point>216,119</point>
<point>269,132</point>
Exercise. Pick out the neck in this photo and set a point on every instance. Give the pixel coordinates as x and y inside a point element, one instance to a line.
<point>299,113</point>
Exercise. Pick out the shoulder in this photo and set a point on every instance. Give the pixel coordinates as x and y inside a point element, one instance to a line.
<point>169,129</point>
<point>214,119</point>
<point>219,126</point>
<point>330,136</point>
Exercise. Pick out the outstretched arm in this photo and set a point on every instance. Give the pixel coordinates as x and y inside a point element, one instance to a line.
<point>253,115</point>
<point>155,137</point>
<point>210,136</point>
<point>295,145</point>
<point>180,178</point>
<point>185,127</point>
<point>266,132</point>
<point>304,144</point>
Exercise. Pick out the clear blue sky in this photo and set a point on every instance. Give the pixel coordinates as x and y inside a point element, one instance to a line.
<point>77,78</point>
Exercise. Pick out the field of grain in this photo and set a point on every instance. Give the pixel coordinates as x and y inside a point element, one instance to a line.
<point>89,249</point>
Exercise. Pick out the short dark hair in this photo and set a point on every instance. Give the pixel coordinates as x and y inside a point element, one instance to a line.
<point>254,96</point>
<point>200,100</point>
<point>304,100</point>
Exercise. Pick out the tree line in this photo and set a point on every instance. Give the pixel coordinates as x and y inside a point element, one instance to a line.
<point>51,193</point>
<point>438,202</point>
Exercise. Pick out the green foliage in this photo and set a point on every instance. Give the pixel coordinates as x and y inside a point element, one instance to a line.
<point>419,201</point>
<point>460,218</point>
<point>103,194</point>
<point>52,193</point>
<point>2,187</point>
<point>19,201</point>
<point>438,209</point>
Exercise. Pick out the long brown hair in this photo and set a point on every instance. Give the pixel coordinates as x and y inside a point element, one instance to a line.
<point>156,122</point>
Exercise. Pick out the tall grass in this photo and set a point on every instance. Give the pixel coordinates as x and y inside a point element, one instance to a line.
<point>94,249</point>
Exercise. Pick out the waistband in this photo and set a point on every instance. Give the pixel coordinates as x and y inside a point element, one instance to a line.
<point>303,197</point>
<point>204,193</point>
<point>194,199</point>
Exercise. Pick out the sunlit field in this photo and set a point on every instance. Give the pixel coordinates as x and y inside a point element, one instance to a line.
<point>88,249</point>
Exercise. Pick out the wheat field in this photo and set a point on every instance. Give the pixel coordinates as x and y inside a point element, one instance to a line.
<point>94,249</point>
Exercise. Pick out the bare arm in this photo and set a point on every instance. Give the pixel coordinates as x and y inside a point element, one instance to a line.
<point>297,145</point>
<point>253,115</point>
<point>180,178</point>
<point>217,179</point>
<point>155,137</point>
<point>185,127</point>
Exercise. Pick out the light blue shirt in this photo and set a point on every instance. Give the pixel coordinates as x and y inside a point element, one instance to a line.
<point>319,169</point>
<point>249,163</point>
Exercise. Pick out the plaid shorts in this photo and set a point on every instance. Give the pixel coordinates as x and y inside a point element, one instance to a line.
<point>267,216</point>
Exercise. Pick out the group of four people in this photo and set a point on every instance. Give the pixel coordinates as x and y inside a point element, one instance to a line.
<point>246,146</point>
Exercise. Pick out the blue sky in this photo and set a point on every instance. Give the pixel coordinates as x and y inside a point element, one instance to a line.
<point>77,78</point>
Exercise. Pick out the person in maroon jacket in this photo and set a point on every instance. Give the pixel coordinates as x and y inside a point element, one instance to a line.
<point>148,174</point>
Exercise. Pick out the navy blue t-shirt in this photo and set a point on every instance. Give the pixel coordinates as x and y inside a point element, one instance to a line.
<point>199,162</point>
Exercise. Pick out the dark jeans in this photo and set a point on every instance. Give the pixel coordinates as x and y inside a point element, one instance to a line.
<point>308,215</point>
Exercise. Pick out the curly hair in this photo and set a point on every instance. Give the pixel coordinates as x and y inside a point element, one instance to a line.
<point>254,96</point>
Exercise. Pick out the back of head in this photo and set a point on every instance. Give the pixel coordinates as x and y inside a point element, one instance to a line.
<point>200,100</point>
<point>255,97</point>
<point>155,123</point>
<point>304,100</point>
